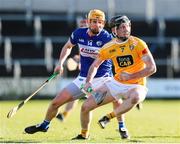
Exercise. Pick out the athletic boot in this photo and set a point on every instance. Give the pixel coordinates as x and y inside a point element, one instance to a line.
<point>124,133</point>
<point>34,129</point>
<point>80,137</point>
<point>60,117</point>
<point>103,121</point>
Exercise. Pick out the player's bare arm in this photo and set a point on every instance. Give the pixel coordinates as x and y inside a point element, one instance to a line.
<point>92,71</point>
<point>66,50</point>
<point>149,69</point>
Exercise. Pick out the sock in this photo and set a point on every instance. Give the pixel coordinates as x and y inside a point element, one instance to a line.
<point>122,125</point>
<point>84,133</point>
<point>65,113</point>
<point>45,124</point>
<point>111,115</point>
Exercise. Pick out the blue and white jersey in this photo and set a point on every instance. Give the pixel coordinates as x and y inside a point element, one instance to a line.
<point>89,48</point>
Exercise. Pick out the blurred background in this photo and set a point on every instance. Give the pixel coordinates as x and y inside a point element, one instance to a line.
<point>32,33</point>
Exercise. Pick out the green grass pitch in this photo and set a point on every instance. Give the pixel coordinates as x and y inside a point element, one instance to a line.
<point>157,122</point>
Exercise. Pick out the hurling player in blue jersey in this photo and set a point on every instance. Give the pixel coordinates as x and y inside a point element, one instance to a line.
<point>89,41</point>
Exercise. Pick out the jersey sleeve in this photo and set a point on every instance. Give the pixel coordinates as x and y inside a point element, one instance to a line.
<point>74,37</point>
<point>103,54</point>
<point>142,48</point>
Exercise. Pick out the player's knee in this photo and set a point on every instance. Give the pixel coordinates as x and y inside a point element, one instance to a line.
<point>135,98</point>
<point>117,102</point>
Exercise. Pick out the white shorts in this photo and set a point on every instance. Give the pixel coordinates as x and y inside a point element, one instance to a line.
<point>97,82</point>
<point>118,90</point>
<point>74,87</point>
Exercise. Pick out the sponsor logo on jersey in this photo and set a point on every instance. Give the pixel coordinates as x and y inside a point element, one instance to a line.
<point>125,61</point>
<point>89,51</point>
<point>81,40</point>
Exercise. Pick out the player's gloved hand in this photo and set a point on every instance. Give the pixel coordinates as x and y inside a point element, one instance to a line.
<point>88,87</point>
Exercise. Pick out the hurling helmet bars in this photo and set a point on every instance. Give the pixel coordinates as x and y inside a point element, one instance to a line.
<point>96,14</point>
<point>117,20</point>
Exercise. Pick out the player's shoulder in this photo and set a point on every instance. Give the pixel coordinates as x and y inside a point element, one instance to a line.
<point>109,45</point>
<point>105,33</point>
<point>137,41</point>
<point>79,32</point>
<point>104,36</point>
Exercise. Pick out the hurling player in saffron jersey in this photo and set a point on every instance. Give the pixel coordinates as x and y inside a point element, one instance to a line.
<point>133,62</point>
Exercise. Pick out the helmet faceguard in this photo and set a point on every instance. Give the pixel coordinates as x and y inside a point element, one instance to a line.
<point>117,20</point>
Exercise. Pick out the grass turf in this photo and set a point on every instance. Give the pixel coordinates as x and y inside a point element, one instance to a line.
<point>157,122</point>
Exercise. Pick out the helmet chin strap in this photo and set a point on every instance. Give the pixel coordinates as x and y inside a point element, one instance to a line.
<point>122,38</point>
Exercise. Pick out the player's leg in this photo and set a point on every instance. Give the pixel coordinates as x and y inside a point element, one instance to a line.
<point>120,118</point>
<point>91,103</point>
<point>121,121</point>
<point>61,98</point>
<point>68,108</point>
<point>131,99</point>
<point>71,92</point>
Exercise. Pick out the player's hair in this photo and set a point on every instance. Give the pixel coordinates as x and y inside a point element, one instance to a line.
<point>96,14</point>
<point>117,20</point>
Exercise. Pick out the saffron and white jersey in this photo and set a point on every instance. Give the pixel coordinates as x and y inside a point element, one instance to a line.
<point>126,56</point>
<point>89,49</point>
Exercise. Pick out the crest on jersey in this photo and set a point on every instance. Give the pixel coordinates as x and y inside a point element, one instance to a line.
<point>99,43</point>
<point>131,47</point>
<point>122,48</point>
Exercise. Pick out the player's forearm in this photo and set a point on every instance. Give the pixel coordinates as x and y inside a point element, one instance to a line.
<point>93,70</point>
<point>150,67</point>
<point>91,73</point>
<point>147,71</point>
<point>64,54</point>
